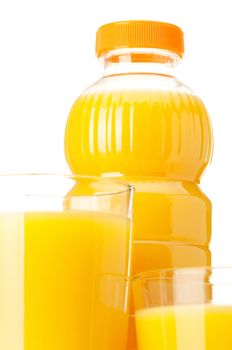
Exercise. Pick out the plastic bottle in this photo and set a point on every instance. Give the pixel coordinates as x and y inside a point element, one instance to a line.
<point>140,123</point>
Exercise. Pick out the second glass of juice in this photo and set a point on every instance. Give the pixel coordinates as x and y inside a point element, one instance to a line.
<point>184,309</point>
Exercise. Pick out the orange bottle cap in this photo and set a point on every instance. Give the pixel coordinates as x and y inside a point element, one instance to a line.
<point>139,34</point>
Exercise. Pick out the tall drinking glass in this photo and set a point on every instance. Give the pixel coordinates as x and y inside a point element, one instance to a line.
<point>184,309</point>
<point>64,257</point>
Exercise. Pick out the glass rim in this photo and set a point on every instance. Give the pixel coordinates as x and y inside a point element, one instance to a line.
<point>124,186</point>
<point>159,274</point>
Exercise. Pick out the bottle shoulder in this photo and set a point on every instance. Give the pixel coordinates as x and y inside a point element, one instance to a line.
<point>138,81</point>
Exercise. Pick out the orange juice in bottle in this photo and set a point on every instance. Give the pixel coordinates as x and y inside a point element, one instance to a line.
<point>140,123</point>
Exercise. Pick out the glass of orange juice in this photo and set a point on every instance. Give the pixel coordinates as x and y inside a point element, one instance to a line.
<point>64,258</point>
<point>184,309</point>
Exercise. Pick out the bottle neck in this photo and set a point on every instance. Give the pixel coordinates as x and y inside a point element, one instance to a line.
<point>139,61</point>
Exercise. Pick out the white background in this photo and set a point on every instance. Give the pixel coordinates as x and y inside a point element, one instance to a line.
<point>47,58</point>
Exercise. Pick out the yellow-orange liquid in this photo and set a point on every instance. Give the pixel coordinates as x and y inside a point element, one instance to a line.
<point>160,141</point>
<point>192,327</point>
<point>63,281</point>
<point>136,133</point>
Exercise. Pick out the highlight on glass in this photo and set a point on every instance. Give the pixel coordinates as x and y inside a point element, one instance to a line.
<point>64,256</point>
<point>184,309</point>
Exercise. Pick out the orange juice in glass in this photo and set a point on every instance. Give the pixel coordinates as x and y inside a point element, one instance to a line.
<point>64,259</point>
<point>184,309</point>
